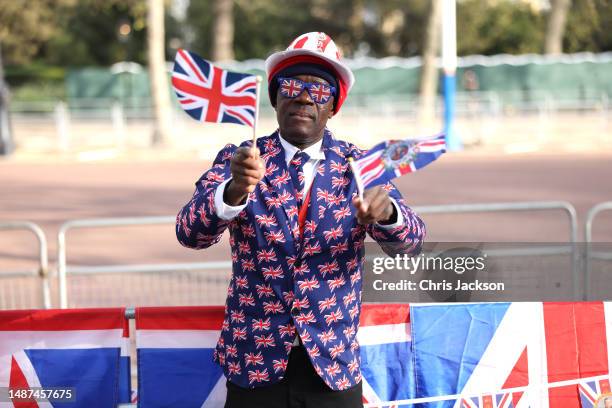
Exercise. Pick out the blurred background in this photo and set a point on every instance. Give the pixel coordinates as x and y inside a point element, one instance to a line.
<point>531,73</point>
<point>90,128</point>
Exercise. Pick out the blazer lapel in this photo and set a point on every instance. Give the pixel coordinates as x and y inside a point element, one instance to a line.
<point>334,165</point>
<point>278,181</point>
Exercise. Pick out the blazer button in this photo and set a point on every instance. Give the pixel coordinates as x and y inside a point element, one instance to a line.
<point>295,311</point>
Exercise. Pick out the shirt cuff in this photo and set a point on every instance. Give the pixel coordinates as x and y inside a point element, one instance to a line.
<point>398,222</point>
<point>224,211</point>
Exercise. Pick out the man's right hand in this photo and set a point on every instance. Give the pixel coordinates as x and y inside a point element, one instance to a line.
<point>247,168</point>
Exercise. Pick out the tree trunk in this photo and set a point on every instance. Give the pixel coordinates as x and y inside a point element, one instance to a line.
<point>429,69</point>
<point>157,72</point>
<point>6,138</point>
<point>556,26</point>
<point>356,23</point>
<point>223,30</point>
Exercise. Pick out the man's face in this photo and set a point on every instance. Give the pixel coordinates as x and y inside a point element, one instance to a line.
<point>608,403</point>
<point>301,120</point>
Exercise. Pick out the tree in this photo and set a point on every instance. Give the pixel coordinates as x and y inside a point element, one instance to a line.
<point>71,32</point>
<point>25,29</point>
<point>223,30</point>
<point>90,23</point>
<point>500,27</point>
<point>429,68</point>
<point>157,71</point>
<point>556,26</point>
<point>587,27</point>
<point>282,24</point>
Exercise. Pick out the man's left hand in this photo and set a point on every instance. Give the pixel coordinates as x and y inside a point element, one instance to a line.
<point>375,207</point>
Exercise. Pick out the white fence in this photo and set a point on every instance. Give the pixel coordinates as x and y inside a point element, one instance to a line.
<point>482,117</point>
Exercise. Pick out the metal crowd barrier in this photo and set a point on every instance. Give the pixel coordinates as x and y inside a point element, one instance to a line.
<point>43,263</point>
<point>588,237</point>
<point>564,206</point>
<point>63,270</point>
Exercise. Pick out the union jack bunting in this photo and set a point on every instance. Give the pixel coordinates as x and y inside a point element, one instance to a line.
<point>394,158</point>
<point>210,94</point>
<point>488,401</point>
<point>592,391</point>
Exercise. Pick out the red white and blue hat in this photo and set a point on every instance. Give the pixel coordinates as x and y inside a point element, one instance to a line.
<point>313,48</point>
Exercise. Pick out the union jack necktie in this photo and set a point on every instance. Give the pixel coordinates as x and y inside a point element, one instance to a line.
<point>296,170</point>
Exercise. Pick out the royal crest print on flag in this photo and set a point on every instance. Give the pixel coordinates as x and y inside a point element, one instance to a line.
<point>79,349</point>
<point>211,94</point>
<point>394,158</point>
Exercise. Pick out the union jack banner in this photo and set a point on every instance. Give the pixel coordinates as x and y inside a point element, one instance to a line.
<point>394,158</point>
<point>210,94</point>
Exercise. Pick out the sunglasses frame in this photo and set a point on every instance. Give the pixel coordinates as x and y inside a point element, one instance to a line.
<point>306,87</point>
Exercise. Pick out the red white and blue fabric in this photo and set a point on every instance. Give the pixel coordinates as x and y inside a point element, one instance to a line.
<point>474,350</point>
<point>210,94</point>
<point>386,353</point>
<point>82,349</point>
<point>592,391</point>
<point>503,400</point>
<point>483,349</point>
<point>394,158</point>
<point>283,282</point>
<point>175,347</point>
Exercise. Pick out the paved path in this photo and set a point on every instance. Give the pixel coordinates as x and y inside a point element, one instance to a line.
<point>49,194</point>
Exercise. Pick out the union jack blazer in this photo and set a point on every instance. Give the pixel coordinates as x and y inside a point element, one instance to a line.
<point>283,283</point>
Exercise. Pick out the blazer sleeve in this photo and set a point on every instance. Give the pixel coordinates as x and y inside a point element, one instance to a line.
<point>406,238</point>
<point>197,223</point>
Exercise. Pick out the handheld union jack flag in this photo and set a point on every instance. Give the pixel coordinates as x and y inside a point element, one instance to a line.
<point>394,158</point>
<point>210,94</point>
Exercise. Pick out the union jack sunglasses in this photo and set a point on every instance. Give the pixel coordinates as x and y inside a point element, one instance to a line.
<point>319,92</point>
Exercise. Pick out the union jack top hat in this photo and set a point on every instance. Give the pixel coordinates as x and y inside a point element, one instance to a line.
<point>313,48</point>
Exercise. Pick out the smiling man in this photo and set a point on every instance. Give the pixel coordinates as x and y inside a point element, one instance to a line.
<point>297,230</point>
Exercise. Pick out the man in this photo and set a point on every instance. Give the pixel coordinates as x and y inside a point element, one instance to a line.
<point>297,229</point>
<point>607,402</point>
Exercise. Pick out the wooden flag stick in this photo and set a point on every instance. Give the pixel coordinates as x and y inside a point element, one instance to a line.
<point>257,87</point>
<point>358,179</point>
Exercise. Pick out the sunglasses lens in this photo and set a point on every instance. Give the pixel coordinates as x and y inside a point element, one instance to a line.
<point>320,93</point>
<point>291,88</point>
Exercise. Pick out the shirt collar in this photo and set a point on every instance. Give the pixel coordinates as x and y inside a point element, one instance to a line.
<point>315,152</point>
